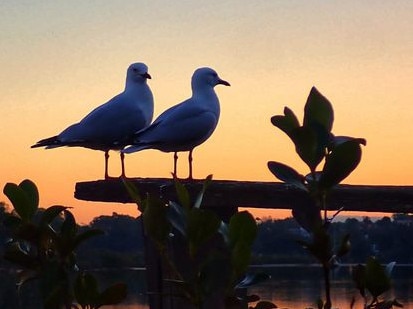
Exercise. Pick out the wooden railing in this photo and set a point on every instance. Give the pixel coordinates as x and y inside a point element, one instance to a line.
<point>275,195</point>
<point>224,197</point>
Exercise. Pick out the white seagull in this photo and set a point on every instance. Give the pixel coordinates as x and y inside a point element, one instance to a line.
<point>186,125</point>
<point>111,125</point>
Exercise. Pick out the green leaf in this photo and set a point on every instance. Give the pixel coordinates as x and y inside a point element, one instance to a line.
<point>201,194</point>
<point>307,214</point>
<point>287,174</point>
<point>86,290</point>
<point>17,255</point>
<point>344,246</point>
<point>202,226</point>
<point>242,233</point>
<point>113,295</point>
<point>19,200</point>
<point>215,274</point>
<point>321,245</point>
<point>133,193</point>
<point>242,228</point>
<point>155,220</point>
<point>69,227</point>
<point>359,277</point>
<point>177,216</point>
<point>32,194</point>
<point>287,122</point>
<point>340,163</point>
<point>265,305</point>
<point>183,194</point>
<point>389,268</point>
<point>377,281</point>
<point>51,213</point>
<point>253,279</point>
<point>319,110</point>
<point>310,144</point>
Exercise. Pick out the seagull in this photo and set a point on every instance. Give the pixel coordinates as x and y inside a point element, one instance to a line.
<point>111,125</point>
<point>186,125</point>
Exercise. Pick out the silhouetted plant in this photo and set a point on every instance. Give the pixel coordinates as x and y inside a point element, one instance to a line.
<point>43,245</point>
<point>373,280</point>
<point>340,155</point>
<point>213,258</point>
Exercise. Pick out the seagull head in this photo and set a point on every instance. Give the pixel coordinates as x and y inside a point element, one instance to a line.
<point>138,72</point>
<point>207,77</point>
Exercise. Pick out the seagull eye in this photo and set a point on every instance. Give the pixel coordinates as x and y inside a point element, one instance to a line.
<point>135,70</point>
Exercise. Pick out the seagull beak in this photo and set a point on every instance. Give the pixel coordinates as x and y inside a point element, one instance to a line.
<point>146,75</point>
<point>223,82</point>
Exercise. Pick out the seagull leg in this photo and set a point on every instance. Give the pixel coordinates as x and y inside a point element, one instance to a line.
<point>122,161</point>
<point>190,164</point>
<point>175,162</point>
<point>106,164</point>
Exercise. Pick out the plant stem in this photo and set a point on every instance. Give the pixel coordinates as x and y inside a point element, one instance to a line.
<point>326,270</point>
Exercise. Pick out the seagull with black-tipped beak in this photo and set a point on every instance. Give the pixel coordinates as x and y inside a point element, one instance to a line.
<point>186,125</point>
<point>111,125</point>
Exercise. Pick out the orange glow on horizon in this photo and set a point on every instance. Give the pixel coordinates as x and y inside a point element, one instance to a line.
<point>61,61</point>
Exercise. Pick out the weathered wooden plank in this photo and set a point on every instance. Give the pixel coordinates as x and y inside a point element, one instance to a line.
<point>275,195</point>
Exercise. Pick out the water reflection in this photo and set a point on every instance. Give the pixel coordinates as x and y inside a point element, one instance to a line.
<point>291,286</point>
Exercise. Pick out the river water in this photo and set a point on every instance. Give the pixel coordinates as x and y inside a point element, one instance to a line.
<point>290,286</point>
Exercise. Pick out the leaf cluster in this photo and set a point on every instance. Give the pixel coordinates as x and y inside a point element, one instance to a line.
<point>374,279</point>
<point>43,244</point>
<point>316,144</point>
<point>210,256</point>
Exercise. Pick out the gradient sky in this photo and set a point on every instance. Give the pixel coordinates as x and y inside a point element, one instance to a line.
<point>61,59</point>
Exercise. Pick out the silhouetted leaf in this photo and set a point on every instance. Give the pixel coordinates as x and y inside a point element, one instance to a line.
<point>242,233</point>
<point>19,200</point>
<point>359,277</point>
<point>377,281</point>
<point>310,144</point>
<point>320,247</point>
<point>287,174</point>
<point>242,228</point>
<point>338,140</point>
<point>340,163</point>
<point>252,298</point>
<point>318,110</point>
<point>253,279</point>
<point>202,225</point>
<point>287,122</point>
<point>177,216</point>
<point>133,193</point>
<point>215,274</point>
<point>51,213</point>
<point>155,220</point>
<point>183,194</point>
<point>17,255</point>
<point>344,246</point>
<point>265,305</point>
<point>86,290</point>
<point>69,227</point>
<point>307,214</point>
<point>32,194</point>
<point>389,268</point>
<point>200,196</point>
<point>113,295</point>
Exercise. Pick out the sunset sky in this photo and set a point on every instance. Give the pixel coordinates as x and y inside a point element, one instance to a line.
<point>61,59</point>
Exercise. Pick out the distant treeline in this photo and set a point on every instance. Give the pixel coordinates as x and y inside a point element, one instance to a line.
<point>389,239</point>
